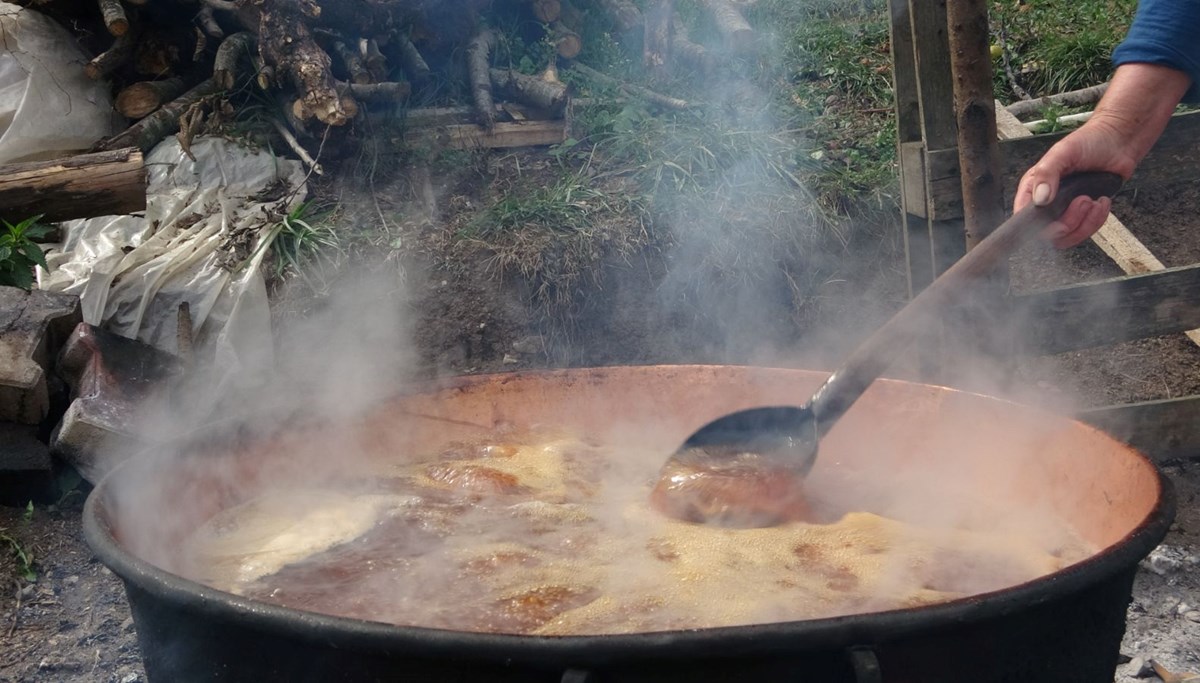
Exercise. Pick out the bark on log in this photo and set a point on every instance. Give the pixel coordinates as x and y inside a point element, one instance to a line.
<point>225,65</point>
<point>975,111</point>
<point>624,14</point>
<point>412,61</point>
<point>114,17</point>
<point>1075,98</point>
<point>478,62</point>
<point>392,91</point>
<point>355,68</point>
<point>148,132</point>
<point>208,22</point>
<point>99,184</point>
<point>733,27</point>
<point>656,40</point>
<point>375,61</point>
<point>657,99</point>
<point>532,90</point>
<point>141,99</point>
<point>108,61</point>
<point>285,41</point>
<point>566,42</point>
<point>546,11</point>
<point>694,55</point>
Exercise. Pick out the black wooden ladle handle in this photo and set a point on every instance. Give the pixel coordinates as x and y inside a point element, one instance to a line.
<point>875,354</point>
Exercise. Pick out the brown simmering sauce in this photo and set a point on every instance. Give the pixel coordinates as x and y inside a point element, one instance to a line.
<point>535,534</point>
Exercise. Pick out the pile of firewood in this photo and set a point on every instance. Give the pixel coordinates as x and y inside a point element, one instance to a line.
<point>320,64</point>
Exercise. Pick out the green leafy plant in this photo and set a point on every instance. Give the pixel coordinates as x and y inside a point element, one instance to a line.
<point>19,253</point>
<point>303,243</point>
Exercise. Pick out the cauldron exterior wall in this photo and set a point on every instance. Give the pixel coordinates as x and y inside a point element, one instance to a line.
<point>1073,638</point>
<point>1062,628</point>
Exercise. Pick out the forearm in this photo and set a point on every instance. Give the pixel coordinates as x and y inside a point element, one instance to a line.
<point>1139,104</point>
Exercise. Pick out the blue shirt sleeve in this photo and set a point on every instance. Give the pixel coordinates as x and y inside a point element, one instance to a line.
<point>1167,33</point>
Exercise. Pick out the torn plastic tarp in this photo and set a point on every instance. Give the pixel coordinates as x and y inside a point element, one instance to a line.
<point>131,273</point>
<point>48,107</point>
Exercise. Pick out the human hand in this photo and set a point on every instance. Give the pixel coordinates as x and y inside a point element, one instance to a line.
<point>1095,146</point>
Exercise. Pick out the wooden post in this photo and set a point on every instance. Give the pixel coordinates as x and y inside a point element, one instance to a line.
<point>978,145</point>
<point>917,249</point>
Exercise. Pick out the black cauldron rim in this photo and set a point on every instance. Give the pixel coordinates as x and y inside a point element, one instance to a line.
<point>864,629</point>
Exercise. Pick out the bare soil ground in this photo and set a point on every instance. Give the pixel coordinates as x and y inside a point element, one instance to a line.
<point>73,623</point>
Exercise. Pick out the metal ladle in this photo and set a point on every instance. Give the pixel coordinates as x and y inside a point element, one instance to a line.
<point>744,469</point>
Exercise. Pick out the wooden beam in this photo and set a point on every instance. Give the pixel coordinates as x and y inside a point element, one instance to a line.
<point>82,186</point>
<point>1113,238</point>
<point>1174,157</point>
<point>911,151</point>
<point>1162,430</point>
<point>473,136</point>
<point>1110,311</point>
<point>935,92</point>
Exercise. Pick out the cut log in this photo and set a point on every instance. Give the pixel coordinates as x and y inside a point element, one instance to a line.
<point>733,27</point>
<point>695,56</point>
<point>551,96</point>
<point>355,68</point>
<point>148,132</point>
<point>208,22</point>
<point>284,40</point>
<point>412,61</point>
<point>657,99</point>
<point>99,184</point>
<point>108,61</point>
<point>566,42</point>
<point>376,63</point>
<point>624,14</point>
<point>155,54</point>
<point>114,17</point>
<point>546,11</point>
<point>1075,98</point>
<point>478,62</point>
<point>141,99</point>
<point>392,91</point>
<point>656,40</point>
<point>225,65</point>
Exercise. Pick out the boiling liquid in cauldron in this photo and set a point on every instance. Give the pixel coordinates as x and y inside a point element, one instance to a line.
<point>532,536</point>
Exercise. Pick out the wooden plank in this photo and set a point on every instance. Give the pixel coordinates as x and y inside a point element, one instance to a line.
<point>904,76</point>
<point>1113,238</point>
<point>503,135</point>
<point>1111,311</point>
<point>1162,430</point>
<point>935,87</point>
<point>1175,157</point>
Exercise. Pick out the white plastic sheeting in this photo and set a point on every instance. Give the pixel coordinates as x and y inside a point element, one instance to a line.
<point>48,107</point>
<point>133,272</point>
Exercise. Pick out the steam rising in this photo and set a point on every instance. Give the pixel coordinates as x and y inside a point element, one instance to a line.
<point>732,270</point>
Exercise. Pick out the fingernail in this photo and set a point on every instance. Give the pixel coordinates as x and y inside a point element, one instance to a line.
<point>1041,194</point>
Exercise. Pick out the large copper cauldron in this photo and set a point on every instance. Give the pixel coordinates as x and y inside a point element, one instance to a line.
<point>1063,627</point>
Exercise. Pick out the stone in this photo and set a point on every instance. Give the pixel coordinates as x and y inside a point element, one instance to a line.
<point>33,326</point>
<point>1166,560</point>
<point>1192,616</point>
<point>109,377</point>
<point>1140,667</point>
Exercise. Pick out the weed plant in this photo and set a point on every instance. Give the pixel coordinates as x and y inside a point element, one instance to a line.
<point>19,253</point>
